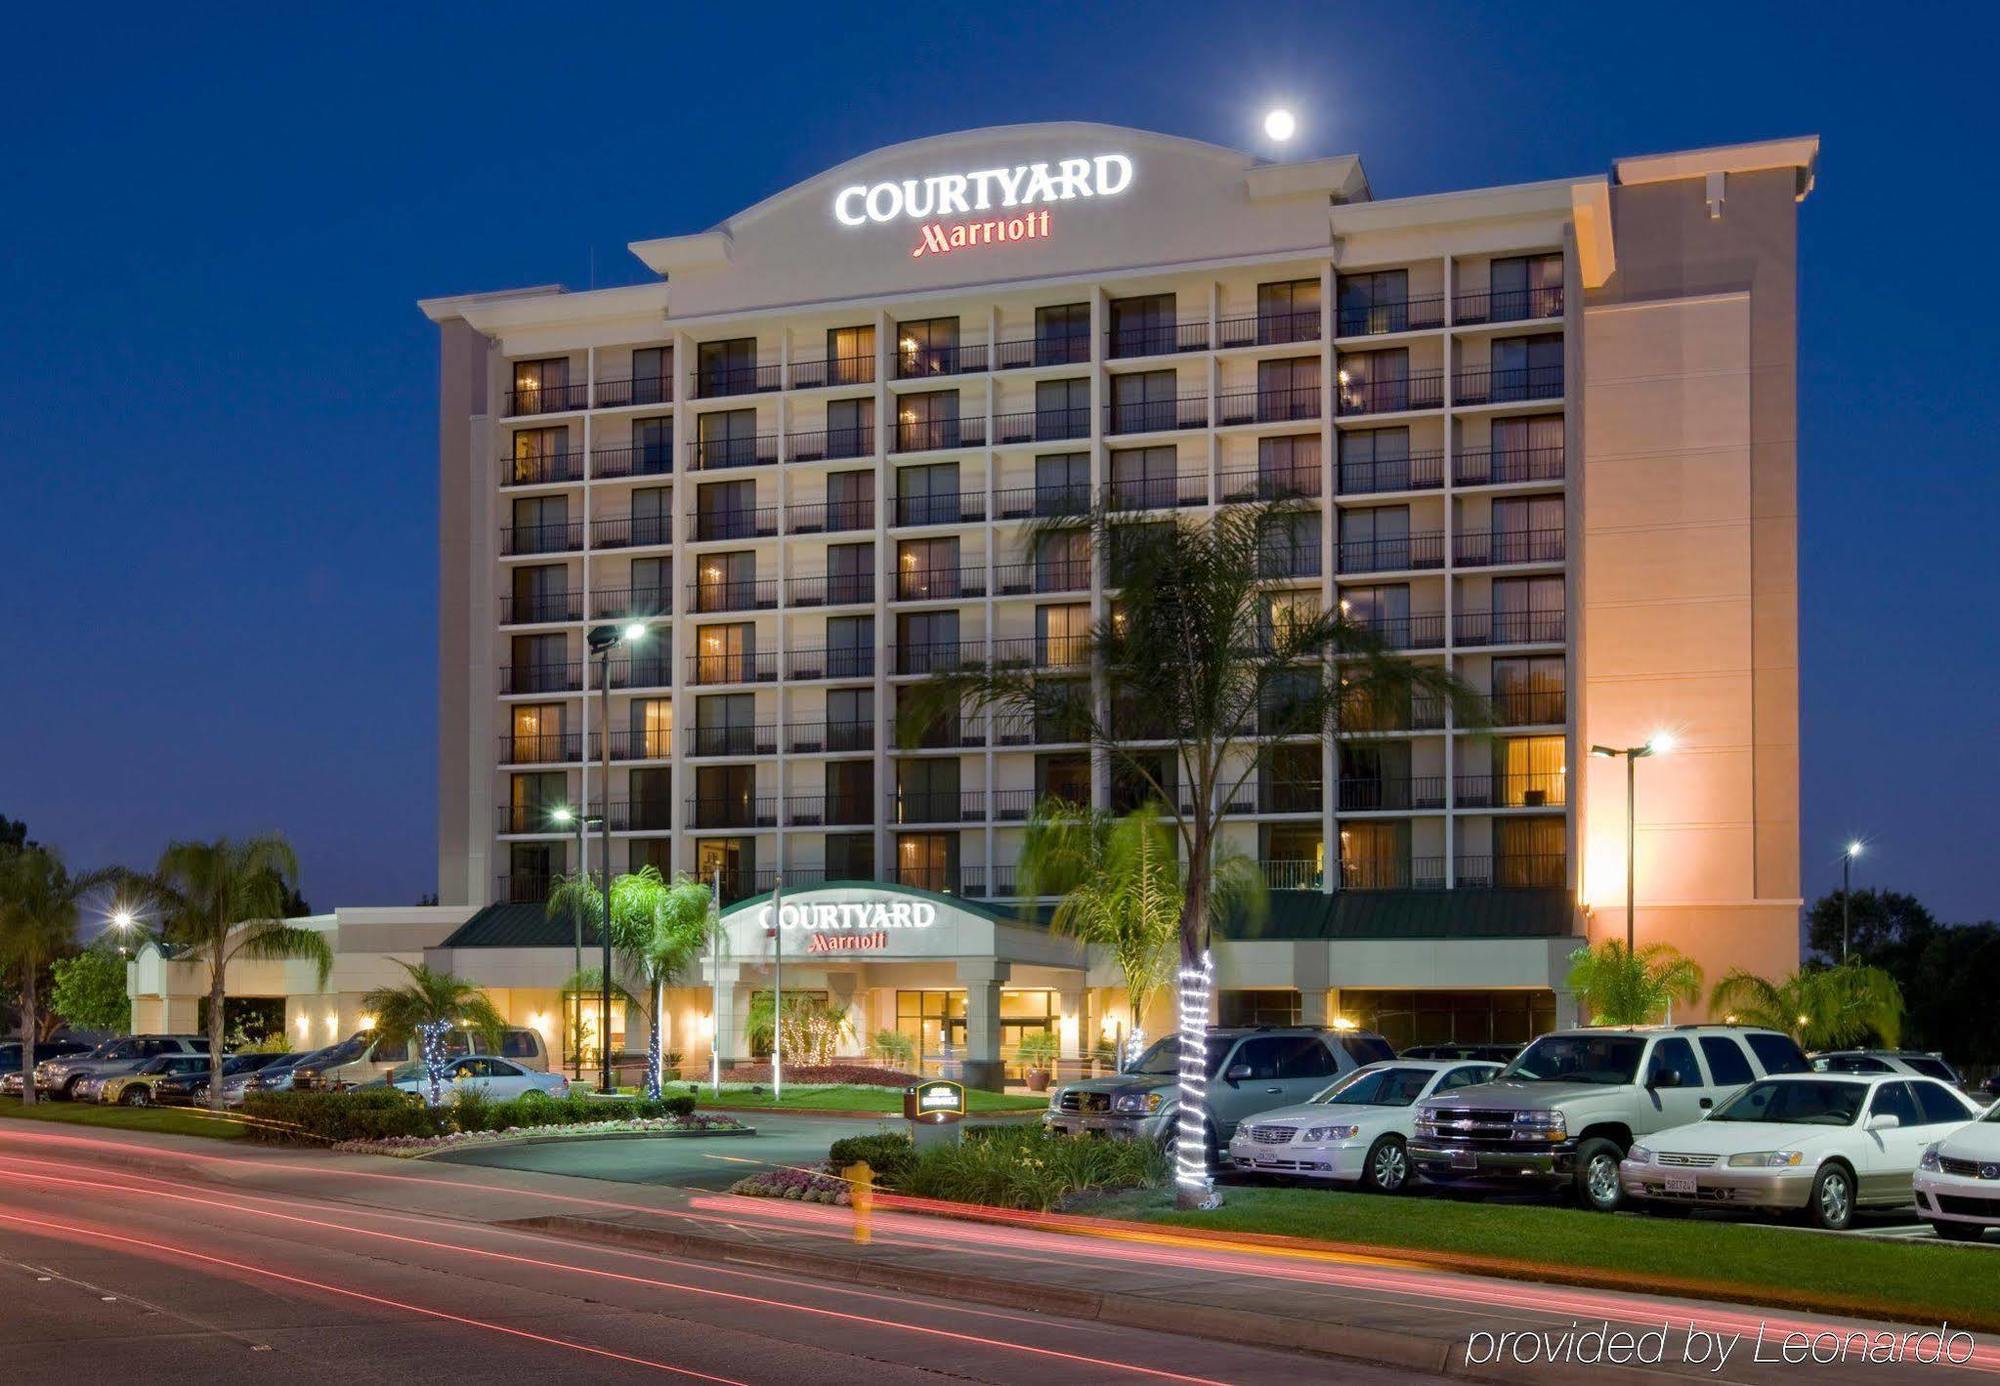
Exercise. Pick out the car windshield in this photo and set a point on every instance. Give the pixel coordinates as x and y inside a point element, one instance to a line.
<point>1795,1103</point>
<point>1377,1087</point>
<point>403,1073</point>
<point>1163,1060</point>
<point>1931,1067</point>
<point>346,1052</point>
<point>1608,1059</point>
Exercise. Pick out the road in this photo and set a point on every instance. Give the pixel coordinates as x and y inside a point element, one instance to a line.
<point>782,1138</point>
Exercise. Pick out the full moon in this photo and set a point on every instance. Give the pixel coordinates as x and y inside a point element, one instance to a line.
<point>1280,125</point>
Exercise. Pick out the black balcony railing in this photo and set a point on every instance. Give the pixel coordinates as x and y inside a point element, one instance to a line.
<point>1498,790</point>
<point>1157,339</point>
<point>939,584</point>
<point>1509,628</point>
<point>719,382</point>
<point>830,662</point>
<point>733,811</point>
<point>539,748</point>
<point>522,820</point>
<point>732,741</point>
<point>521,888</point>
<point>1390,714</point>
<point>838,810</point>
<point>564,677</point>
<point>651,668</point>
<point>1392,873</point>
<point>919,362</point>
<point>944,508</point>
<point>547,399</point>
<point>758,450</point>
<point>1403,315</point>
<point>542,469</point>
<point>1424,631</point>
<point>1478,548</point>
<point>1156,492</point>
<point>1287,405</point>
<point>1042,575</point>
<point>939,880</point>
<point>1402,551</point>
<point>1485,385</point>
<point>1022,352</point>
<point>1290,796</point>
<point>1041,426</point>
<point>1041,502</point>
<point>1417,390</point>
<point>1532,870</point>
<point>829,738</point>
<point>821,444</point>
<point>643,459</point>
<point>634,743</point>
<point>937,806</point>
<point>1156,415</point>
<point>1021,729</point>
<point>833,370</point>
<point>1536,707</point>
<point>533,607</point>
<point>1388,793</point>
<point>757,522</point>
<point>758,667</point>
<point>1042,652</point>
<point>615,602</point>
<point>934,656</point>
<point>1507,305</point>
<point>1500,465</point>
<point>1262,484</point>
<point>749,594</point>
<point>631,531</point>
<point>649,815</point>
<point>1420,471</point>
<point>1268,329</point>
<point>830,589</point>
<point>829,517</point>
<point>1280,562</point>
<point>939,734</point>
<point>932,435</point>
<point>640,389</point>
<point>560,536</point>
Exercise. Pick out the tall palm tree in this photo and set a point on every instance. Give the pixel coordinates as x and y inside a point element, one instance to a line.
<point>1819,1007</point>
<point>1637,988</point>
<point>1198,651</point>
<point>39,904</point>
<point>682,918</point>
<point>223,900</point>
<point>428,1008</point>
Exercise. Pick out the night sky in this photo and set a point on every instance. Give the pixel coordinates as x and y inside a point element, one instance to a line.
<point>220,420</point>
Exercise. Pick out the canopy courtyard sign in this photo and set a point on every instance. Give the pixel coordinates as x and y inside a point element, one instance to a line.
<point>1024,191</point>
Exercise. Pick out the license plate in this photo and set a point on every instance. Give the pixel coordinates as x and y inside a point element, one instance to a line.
<point>1464,1159</point>
<point>1680,1183</point>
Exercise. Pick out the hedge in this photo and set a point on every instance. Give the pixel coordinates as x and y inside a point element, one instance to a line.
<point>372,1113</point>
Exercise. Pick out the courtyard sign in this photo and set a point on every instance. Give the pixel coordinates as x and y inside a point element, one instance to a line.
<point>1021,193</point>
<point>872,916</point>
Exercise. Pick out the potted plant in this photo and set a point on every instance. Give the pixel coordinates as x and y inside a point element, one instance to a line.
<point>1038,1058</point>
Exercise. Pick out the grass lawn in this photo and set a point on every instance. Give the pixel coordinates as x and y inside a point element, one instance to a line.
<point>859,1099</point>
<point>172,1121</point>
<point>1915,1282</point>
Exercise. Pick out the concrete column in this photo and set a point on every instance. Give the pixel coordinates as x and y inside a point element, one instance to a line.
<point>731,1032</point>
<point>982,978</point>
<point>1074,1001</point>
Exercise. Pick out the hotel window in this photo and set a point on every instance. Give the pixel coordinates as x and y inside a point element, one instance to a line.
<point>1528,529</point>
<point>1062,334</point>
<point>1375,539</point>
<point>927,790</point>
<point>926,641</point>
<point>652,446</point>
<point>1062,561</point>
<point>650,592</point>
<point>726,368</point>
<point>1251,1008</point>
<point>652,728</point>
<point>1062,636</point>
<point>927,570</point>
<point>850,573</point>
<point>656,852</point>
<point>1376,856</point>
<point>850,716</point>
<point>850,500</point>
<point>1294,856</point>
<point>1288,389</point>
<point>541,387</point>
<point>1374,382</point>
<point>1289,546</point>
<point>540,664</point>
<point>541,593</point>
<point>1142,326</point>
<point>1062,409</point>
<point>726,438</point>
<point>1142,777</point>
<point>1287,466</point>
<point>1374,303</point>
<point>725,796</point>
<point>850,427</point>
<point>725,724</point>
<point>934,729</point>
<point>850,355</point>
<point>537,734</point>
<point>652,515</point>
<point>1526,286</point>
<point>541,525</point>
<point>850,642</point>
<point>928,861</point>
<point>1283,616</point>
<point>927,346</point>
<point>1062,484</point>
<point>1529,851</point>
<point>531,798</point>
<point>652,375</point>
<point>725,510</point>
<point>1292,782</point>
<point>850,856</point>
<point>933,1021</point>
<point>1375,459</point>
<point>1062,711</point>
<point>927,495</point>
<point>538,455</point>
<point>652,800</point>
<point>1529,692</point>
<point>725,654</point>
<point>1532,771</point>
<point>1065,777</point>
<point>732,860</point>
<point>1290,704</point>
<point>1022,1013</point>
<point>850,791</point>
<point>1145,478</point>
<point>1525,368</point>
<point>1529,449</point>
<point>529,867</point>
<point>1375,775</point>
<point>1144,401</point>
<point>927,420</point>
<point>1527,610</point>
<point>1288,311</point>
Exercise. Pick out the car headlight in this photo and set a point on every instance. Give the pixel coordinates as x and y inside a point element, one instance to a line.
<point>1552,1126</point>
<point>1639,1155</point>
<point>1930,1157</point>
<point>1767,1159</point>
<point>1332,1133</point>
<point>1136,1103</point>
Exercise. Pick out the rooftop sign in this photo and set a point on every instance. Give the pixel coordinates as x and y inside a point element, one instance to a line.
<point>869,915</point>
<point>1021,193</point>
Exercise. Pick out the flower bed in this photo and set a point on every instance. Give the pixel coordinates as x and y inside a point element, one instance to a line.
<point>830,1075</point>
<point>461,1140</point>
<point>801,1186</point>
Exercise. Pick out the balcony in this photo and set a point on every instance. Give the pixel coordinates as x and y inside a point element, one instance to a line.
<point>713,454</point>
<point>529,820</point>
<point>1290,796</point>
<point>539,607</point>
<point>921,363</point>
<point>562,536</point>
<point>829,738</point>
<point>634,743</point>
<point>614,603</point>
<point>1157,492</point>
<point>1041,426</point>
<point>1249,484</point>
<point>1390,793</point>
<point>944,508</point>
<point>1509,628</point>
<point>1041,502</point>
<point>1357,715</point>
<point>830,589</point>
<point>652,669</point>
<point>939,584</point>
<point>644,389</point>
<point>1540,707</point>
<point>833,371</point>
<point>937,806</point>
<point>1047,575</point>
<point>1403,552</point>
<point>564,677</point>
<point>546,399</point>
<point>1484,385</point>
<point>733,811</point>
<point>1503,791</point>
<point>829,517</point>
<point>709,669</point>
<point>723,382</point>
<point>631,531</point>
<point>521,889</point>
<point>645,459</point>
<point>1420,471</point>
<point>540,748</point>
<point>1016,729</point>
<point>1292,405</point>
<point>1293,875</point>
<point>935,435</point>
<point>964,732</point>
<point>1268,329</point>
<point>1392,873</point>
<point>1424,631</point>
<point>828,811</point>
<point>1059,652</point>
<point>1284,562</point>
<point>1540,870</point>
<point>749,594</point>
<point>835,662</point>
<point>732,741</point>
<point>1403,315</point>
<point>1482,548</point>
<point>936,656</point>
<point>1020,353</point>
<point>939,880</point>
<point>758,522</point>
<point>651,815</point>
<point>546,469</point>
<point>828,444</point>
<point>1499,467</point>
<point>1157,415</point>
<point>1398,394</point>
<point>1157,339</point>
<point>1479,306</point>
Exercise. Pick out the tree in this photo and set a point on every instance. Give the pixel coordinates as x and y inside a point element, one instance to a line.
<point>1882,924</point>
<point>220,901</point>
<point>89,991</point>
<point>1196,651</point>
<point>812,1027</point>
<point>39,905</point>
<point>1620,988</point>
<point>1820,1007</point>
<point>682,918</point>
<point>427,1009</point>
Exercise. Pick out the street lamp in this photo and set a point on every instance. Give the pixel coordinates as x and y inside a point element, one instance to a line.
<point>1847,890</point>
<point>603,640</point>
<point>122,920</point>
<point>1660,743</point>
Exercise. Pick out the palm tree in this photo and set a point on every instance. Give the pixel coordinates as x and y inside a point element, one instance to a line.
<point>39,904</point>
<point>426,1010</point>
<point>1637,988</point>
<point>680,930</point>
<point>1197,651</point>
<point>222,900</point>
<point>1819,1007</point>
<point>812,1027</point>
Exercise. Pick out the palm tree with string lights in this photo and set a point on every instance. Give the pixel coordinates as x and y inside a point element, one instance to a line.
<point>428,1008</point>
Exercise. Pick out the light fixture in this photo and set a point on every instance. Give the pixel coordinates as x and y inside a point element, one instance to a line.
<point>634,632</point>
<point>1854,848</point>
<point>562,813</point>
<point>1661,743</point>
<point>123,918</point>
<point>1280,124</point>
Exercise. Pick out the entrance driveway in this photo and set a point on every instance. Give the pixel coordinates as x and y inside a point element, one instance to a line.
<point>702,1162</point>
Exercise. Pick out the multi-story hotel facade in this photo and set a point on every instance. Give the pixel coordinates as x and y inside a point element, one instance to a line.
<point>1544,436</point>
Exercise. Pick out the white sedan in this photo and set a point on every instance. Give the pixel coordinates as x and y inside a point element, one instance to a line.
<point>1356,1131</point>
<point>499,1079</point>
<point>1958,1180</point>
<point>1821,1144</point>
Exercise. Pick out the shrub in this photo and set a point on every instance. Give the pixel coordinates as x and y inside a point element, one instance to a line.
<point>889,1155</point>
<point>1025,1167</point>
<point>1037,1050</point>
<point>894,1049</point>
<point>364,1114</point>
<point>857,1074</point>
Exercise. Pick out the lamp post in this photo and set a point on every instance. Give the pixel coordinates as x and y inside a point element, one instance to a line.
<point>563,813</point>
<point>1847,890</point>
<point>1659,744</point>
<point>122,921</point>
<point>603,640</point>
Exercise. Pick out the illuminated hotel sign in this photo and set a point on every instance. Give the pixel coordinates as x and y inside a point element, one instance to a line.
<point>939,1100</point>
<point>872,916</point>
<point>1021,194</point>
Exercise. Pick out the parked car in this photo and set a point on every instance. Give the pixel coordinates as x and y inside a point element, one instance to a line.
<point>499,1079</point>
<point>194,1088</point>
<point>1957,1183</point>
<point>141,1087</point>
<point>1914,1062</point>
<point>111,1059</point>
<point>1484,1053</point>
<point>1356,1131</point>
<point>1249,1070</point>
<point>1562,1115</point>
<point>1821,1144</point>
<point>10,1057</point>
<point>362,1057</point>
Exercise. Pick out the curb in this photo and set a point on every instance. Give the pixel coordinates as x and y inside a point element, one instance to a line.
<point>580,1138</point>
<point>843,1114</point>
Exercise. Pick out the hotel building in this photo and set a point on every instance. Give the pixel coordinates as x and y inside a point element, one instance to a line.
<point>1546,434</point>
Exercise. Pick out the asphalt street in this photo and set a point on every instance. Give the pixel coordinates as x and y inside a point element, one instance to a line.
<point>713,1162</point>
